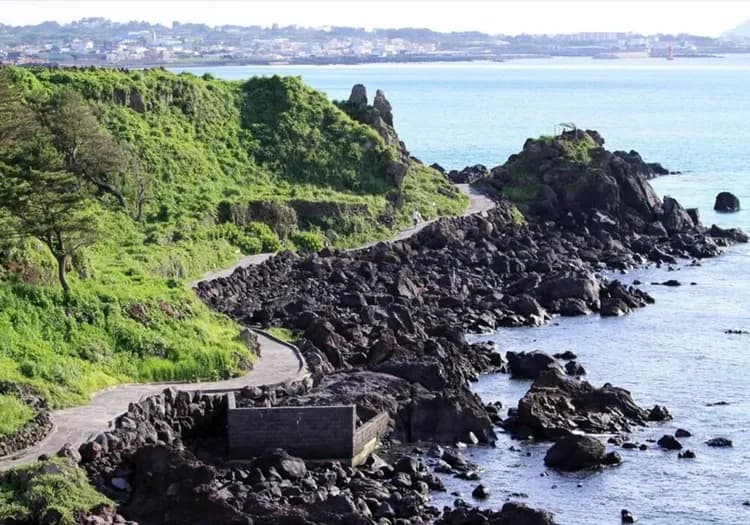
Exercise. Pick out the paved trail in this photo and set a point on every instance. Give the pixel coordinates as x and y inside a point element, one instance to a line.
<point>478,203</point>
<point>278,362</point>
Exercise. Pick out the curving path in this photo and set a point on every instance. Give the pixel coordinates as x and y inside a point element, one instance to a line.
<point>478,203</point>
<point>279,362</point>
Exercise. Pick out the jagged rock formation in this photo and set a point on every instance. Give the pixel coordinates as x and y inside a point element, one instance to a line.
<point>573,180</point>
<point>379,116</point>
<point>556,405</point>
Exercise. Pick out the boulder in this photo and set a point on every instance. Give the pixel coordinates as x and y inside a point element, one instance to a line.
<point>668,442</point>
<point>726,202</point>
<point>288,467</point>
<point>556,405</point>
<point>380,103</point>
<point>523,365</point>
<point>577,452</point>
<point>480,492</point>
<point>719,442</point>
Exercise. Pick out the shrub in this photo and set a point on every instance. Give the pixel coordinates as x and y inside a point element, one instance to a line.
<point>308,241</point>
<point>269,240</point>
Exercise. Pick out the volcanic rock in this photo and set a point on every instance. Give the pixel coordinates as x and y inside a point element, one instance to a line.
<point>555,404</point>
<point>727,202</point>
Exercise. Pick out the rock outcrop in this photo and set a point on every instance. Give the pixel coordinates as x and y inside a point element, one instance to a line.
<point>511,513</point>
<point>573,180</point>
<point>379,116</point>
<point>556,405</point>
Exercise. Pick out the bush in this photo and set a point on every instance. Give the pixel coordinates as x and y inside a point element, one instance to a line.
<point>248,244</point>
<point>269,240</point>
<point>308,241</point>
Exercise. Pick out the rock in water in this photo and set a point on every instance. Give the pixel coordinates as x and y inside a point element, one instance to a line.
<point>659,413</point>
<point>481,492</point>
<point>669,443</point>
<point>627,517</point>
<point>529,365</point>
<point>555,404</point>
<point>719,442</point>
<point>576,452</point>
<point>727,202</point>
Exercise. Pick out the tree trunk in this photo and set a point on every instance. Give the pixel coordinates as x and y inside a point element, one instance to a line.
<point>61,261</point>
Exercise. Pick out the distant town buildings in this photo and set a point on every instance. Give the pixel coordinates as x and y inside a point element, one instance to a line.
<point>98,41</point>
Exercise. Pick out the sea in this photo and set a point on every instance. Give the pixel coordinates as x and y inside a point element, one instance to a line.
<point>693,116</point>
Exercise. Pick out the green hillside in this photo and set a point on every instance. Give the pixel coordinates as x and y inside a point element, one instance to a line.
<point>170,176</point>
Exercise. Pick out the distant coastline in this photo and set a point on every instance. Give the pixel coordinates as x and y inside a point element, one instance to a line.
<point>358,61</point>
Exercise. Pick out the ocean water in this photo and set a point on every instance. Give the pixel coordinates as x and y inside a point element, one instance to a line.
<point>693,115</point>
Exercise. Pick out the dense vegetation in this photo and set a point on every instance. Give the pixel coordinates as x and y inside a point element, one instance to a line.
<point>163,177</point>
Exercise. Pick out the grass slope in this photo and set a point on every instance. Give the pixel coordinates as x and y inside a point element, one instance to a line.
<point>55,492</point>
<point>236,167</point>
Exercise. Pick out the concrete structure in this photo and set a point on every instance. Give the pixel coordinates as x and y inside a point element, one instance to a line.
<point>310,432</point>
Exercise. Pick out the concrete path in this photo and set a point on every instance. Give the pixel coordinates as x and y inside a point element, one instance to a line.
<point>478,203</point>
<point>279,362</point>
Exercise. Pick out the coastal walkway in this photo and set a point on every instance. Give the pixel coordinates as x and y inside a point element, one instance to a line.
<point>278,362</point>
<point>478,203</point>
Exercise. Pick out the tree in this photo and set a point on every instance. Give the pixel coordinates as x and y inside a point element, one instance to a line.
<point>38,195</point>
<point>87,149</point>
<point>52,207</point>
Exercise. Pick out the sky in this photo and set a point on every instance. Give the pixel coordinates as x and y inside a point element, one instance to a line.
<point>700,17</point>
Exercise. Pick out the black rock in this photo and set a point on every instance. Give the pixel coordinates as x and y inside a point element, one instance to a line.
<point>528,365</point>
<point>719,442</point>
<point>576,452</point>
<point>688,454</point>
<point>659,413</point>
<point>572,368</point>
<point>627,517</point>
<point>480,492</point>
<point>669,443</point>
<point>726,202</point>
<point>567,355</point>
<point>682,433</point>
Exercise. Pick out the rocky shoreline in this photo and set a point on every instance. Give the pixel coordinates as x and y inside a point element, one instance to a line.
<point>384,328</point>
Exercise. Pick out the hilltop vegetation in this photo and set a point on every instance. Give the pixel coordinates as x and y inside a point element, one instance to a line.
<point>170,176</point>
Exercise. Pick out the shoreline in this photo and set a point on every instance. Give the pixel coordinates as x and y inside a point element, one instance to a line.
<point>406,61</point>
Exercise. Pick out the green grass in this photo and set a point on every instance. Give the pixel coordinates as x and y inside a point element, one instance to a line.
<point>517,216</point>
<point>14,413</point>
<point>285,334</point>
<point>53,492</point>
<point>580,150</point>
